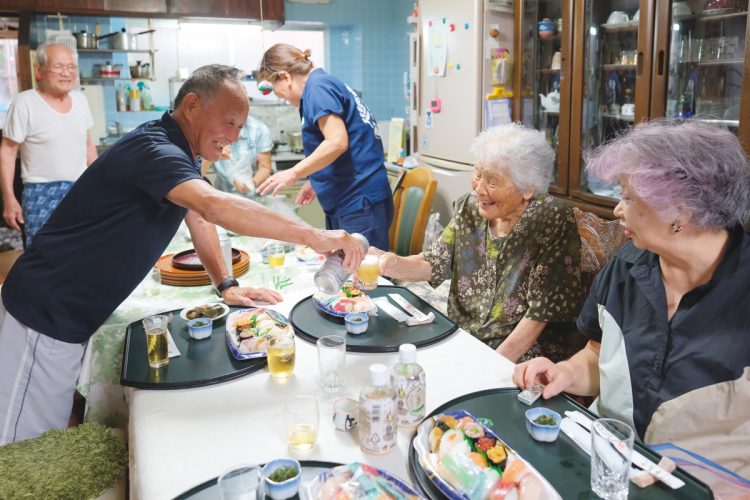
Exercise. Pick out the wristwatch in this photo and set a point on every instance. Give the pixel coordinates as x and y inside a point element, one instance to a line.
<point>227,283</point>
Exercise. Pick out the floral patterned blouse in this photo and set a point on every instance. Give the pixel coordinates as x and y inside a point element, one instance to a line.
<point>533,272</point>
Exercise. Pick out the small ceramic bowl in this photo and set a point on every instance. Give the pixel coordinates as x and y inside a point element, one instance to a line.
<point>200,328</point>
<point>283,489</point>
<point>356,323</point>
<point>546,433</point>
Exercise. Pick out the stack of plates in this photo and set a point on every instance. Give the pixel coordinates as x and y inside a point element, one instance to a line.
<point>181,277</point>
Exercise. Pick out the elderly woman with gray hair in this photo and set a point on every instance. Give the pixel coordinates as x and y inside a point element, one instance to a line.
<point>512,252</point>
<point>667,317</point>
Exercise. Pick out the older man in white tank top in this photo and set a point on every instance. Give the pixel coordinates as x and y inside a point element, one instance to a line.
<point>50,127</point>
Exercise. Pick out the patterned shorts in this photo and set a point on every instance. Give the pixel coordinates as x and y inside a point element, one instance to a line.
<point>39,201</point>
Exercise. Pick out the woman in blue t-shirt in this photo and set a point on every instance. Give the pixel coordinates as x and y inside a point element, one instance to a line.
<point>344,160</point>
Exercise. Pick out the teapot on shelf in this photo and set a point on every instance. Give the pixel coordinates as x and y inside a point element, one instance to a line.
<point>551,101</point>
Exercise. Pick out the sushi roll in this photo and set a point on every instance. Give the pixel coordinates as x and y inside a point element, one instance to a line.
<point>474,430</point>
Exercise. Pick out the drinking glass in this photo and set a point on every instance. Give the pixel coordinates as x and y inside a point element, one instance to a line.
<point>276,255</point>
<point>281,355</point>
<point>152,282</point>
<point>157,347</point>
<point>239,483</point>
<point>611,449</point>
<point>368,272</point>
<point>331,355</point>
<point>301,423</point>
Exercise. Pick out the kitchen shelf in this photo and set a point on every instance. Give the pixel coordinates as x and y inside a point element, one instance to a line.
<point>715,121</point>
<point>547,70</point>
<point>628,26</point>
<point>93,51</point>
<point>716,62</point>
<point>118,79</point>
<point>720,17</point>
<point>548,112</point>
<point>550,38</point>
<point>618,67</point>
<point>622,118</point>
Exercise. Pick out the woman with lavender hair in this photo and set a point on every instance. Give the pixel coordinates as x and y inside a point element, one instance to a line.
<point>667,317</point>
<point>512,252</point>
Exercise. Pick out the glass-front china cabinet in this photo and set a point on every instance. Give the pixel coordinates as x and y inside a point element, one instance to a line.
<point>543,42</point>
<point>618,62</point>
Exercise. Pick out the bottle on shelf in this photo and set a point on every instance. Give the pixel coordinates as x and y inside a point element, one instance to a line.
<point>377,413</point>
<point>122,99</point>
<point>408,380</point>
<point>135,97</point>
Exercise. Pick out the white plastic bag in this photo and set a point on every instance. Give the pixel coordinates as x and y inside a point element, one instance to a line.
<point>432,231</point>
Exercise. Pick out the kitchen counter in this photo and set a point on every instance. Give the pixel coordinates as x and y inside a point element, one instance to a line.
<point>285,159</point>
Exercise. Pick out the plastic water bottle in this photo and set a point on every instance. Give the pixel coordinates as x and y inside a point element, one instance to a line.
<point>332,274</point>
<point>408,380</point>
<point>377,413</point>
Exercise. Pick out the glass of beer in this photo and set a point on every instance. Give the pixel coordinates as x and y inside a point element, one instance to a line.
<point>276,254</point>
<point>157,347</point>
<point>368,272</point>
<point>301,423</point>
<point>281,357</point>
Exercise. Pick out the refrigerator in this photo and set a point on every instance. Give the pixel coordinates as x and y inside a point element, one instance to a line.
<point>8,73</point>
<point>453,70</point>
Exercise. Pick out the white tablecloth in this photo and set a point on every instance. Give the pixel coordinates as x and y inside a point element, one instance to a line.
<point>181,438</point>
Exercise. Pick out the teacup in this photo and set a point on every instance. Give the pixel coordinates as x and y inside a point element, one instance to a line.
<point>628,109</point>
<point>617,17</point>
<point>556,61</point>
<point>345,414</point>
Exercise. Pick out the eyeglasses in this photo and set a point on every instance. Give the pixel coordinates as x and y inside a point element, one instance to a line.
<point>59,68</point>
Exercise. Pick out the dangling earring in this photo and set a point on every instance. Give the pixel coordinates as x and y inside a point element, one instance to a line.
<point>676,227</point>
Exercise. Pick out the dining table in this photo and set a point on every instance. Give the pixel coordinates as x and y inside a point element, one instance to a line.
<point>181,438</point>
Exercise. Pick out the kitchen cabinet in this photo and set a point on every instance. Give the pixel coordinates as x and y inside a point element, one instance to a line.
<point>312,214</point>
<point>622,62</point>
<point>272,10</point>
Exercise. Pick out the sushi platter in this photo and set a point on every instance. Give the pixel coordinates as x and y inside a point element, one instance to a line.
<point>538,470</point>
<point>249,331</point>
<point>348,300</point>
<point>465,459</point>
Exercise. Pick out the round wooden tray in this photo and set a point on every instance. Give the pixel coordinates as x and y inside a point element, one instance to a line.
<point>182,277</point>
<point>186,260</point>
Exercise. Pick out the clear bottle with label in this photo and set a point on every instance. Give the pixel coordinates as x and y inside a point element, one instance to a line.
<point>409,382</point>
<point>332,274</point>
<point>377,413</point>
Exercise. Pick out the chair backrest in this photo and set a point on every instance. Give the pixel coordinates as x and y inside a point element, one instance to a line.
<point>412,201</point>
<point>599,240</point>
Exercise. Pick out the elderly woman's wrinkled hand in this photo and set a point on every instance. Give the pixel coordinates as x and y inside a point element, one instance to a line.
<point>388,264</point>
<point>555,377</point>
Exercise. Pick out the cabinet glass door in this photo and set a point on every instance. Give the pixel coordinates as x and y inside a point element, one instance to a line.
<point>706,61</point>
<point>610,52</point>
<point>542,74</point>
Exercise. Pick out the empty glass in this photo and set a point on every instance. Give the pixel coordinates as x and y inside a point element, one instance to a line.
<point>239,483</point>
<point>331,355</point>
<point>152,282</point>
<point>611,449</point>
